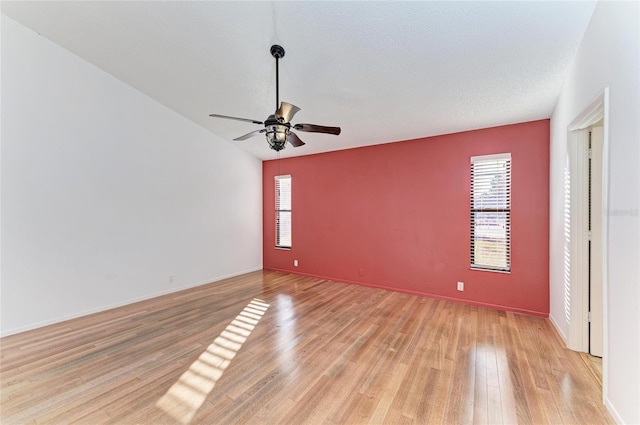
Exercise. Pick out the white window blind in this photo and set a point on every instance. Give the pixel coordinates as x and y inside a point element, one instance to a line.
<point>283,211</point>
<point>491,212</point>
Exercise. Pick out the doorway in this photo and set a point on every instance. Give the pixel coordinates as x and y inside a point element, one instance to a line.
<point>587,244</point>
<point>595,320</point>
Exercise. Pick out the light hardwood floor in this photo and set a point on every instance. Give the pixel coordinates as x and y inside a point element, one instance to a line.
<point>274,348</point>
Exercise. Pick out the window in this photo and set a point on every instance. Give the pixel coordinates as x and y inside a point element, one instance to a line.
<point>283,212</point>
<point>491,212</point>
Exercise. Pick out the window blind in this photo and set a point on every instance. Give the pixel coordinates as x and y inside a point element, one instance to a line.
<point>283,211</point>
<point>491,212</point>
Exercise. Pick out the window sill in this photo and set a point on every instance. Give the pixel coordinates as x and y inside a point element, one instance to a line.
<point>480,269</point>
<point>284,248</point>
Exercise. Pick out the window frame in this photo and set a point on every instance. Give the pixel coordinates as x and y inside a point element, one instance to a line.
<point>279,210</point>
<point>506,210</point>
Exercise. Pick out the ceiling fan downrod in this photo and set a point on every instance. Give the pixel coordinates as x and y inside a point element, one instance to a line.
<point>278,53</point>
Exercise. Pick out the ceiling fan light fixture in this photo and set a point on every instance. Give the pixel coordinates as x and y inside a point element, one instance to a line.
<point>277,136</point>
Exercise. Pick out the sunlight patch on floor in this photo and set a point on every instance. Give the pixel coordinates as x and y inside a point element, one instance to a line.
<point>185,397</point>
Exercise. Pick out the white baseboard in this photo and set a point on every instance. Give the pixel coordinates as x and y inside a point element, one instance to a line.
<point>555,325</point>
<point>613,411</point>
<point>43,323</point>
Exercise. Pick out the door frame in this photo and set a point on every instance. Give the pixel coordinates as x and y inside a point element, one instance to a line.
<point>577,149</point>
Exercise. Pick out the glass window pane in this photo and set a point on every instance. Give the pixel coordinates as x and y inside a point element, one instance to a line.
<point>491,229</point>
<point>283,211</point>
<point>283,223</point>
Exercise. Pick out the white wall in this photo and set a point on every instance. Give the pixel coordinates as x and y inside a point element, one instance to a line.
<point>609,56</point>
<point>106,193</point>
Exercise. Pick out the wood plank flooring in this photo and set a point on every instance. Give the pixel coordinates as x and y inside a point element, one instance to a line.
<point>275,348</point>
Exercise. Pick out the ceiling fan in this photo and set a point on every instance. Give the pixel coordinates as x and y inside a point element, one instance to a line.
<point>278,126</point>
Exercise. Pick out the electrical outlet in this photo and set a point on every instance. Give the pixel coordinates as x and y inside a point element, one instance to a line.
<point>171,278</point>
<point>295,263</point>
<point>460,286</point>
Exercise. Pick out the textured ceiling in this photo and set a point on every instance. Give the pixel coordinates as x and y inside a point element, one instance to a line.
<point>383,71</point>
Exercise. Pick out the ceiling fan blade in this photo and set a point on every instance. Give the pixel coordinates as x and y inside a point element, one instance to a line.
<point>248,135</point>
<point>236,118</point>
<point>317,128</point>
<point>295,140</point>
<point>286,111</point>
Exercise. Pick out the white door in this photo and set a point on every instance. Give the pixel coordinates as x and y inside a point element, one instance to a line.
<point>595,272</point>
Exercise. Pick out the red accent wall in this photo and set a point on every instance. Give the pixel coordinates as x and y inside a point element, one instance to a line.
<point>396,216</point>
